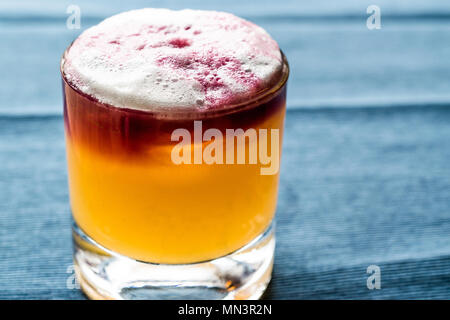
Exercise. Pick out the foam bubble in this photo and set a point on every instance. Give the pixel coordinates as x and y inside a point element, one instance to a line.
<point>158,58</point>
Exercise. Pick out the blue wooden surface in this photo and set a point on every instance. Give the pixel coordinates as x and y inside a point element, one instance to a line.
<point>366,160</point>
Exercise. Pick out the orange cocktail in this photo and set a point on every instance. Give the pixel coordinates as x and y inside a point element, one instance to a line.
<point>173,124</point>
<point>128,195</point>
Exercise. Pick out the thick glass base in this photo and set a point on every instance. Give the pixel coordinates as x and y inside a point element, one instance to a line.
<point>243,274</point>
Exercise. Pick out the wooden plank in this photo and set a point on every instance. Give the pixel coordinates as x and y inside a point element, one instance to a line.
<point>335,60</point>
<point>358,187</point>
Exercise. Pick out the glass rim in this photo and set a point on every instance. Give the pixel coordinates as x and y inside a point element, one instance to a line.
<point>187,113</point>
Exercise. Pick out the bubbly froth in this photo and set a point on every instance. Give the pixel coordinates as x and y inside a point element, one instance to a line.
<point>152,59</point>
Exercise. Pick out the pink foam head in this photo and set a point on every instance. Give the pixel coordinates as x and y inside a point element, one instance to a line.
<point>157,58</point>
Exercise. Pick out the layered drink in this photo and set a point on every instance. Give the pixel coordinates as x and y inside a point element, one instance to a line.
<point>173,123</point>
